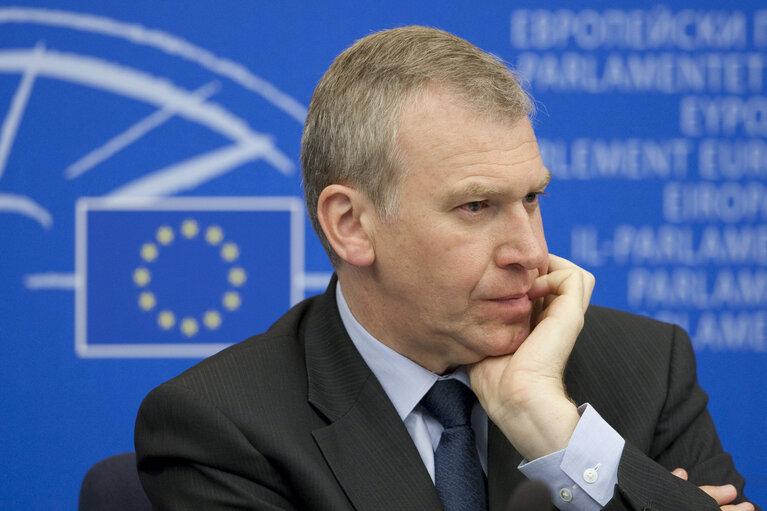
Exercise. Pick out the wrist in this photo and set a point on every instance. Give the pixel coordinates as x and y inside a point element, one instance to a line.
<point>541,427</point>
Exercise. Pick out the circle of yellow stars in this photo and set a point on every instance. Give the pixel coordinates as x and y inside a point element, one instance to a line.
<point>210,319</point>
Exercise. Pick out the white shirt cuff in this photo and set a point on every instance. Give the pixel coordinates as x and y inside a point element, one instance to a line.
<point>583,476</point>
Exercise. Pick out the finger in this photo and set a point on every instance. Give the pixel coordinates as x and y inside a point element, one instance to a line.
<point>557,263</point>
<point>567,286</point>
<point>588,286</point>
<point>721,494</point>
<point>558,282</point>
<point>743,506</point>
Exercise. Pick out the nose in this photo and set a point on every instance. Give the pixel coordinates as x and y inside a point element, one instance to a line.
<point>522,242</point>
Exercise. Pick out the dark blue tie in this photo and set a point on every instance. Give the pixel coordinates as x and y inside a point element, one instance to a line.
<point>458,475</point>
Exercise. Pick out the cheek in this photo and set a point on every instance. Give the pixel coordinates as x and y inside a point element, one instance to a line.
<point>459,262</point>
<point>440,256</point>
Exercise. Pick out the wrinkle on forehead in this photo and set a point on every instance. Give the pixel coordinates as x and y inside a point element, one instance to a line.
<point>436,98</point>
<point>425,113</point>
<point>495,157</point>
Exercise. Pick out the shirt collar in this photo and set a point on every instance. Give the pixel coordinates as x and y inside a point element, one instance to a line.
<point>404,381</point>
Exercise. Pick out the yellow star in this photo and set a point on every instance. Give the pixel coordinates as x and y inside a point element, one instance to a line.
<point>189,229</point>
<point>189,327</point>
<point>141,276</point>
<point>165,235</point>
<point>149,252</point>
<point>214,235</point>
<point>212,320</point>
<point>230,252</point>
<point>146,300</point>
<point>166,319</point>
<point>237,276</point>
<point>232,300</point>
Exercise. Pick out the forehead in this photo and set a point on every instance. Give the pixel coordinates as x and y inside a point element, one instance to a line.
<point>444,142</point>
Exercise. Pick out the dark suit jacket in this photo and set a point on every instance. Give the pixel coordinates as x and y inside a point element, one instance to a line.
<point>294,419</point>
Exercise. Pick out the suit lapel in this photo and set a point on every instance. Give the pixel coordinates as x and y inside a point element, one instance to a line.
<point>365,443</point>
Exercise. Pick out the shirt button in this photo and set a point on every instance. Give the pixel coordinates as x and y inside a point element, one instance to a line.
<point>590,475</point>
<point>565,494</point>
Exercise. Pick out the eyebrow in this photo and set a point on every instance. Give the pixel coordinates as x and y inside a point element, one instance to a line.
<point>546,178</point>
<point>484,190</point>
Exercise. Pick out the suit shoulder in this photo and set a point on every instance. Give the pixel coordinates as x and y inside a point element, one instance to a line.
<point>633,369</point>
<point>613,338</point>
<point>257,361</point>
<point>604,322</point>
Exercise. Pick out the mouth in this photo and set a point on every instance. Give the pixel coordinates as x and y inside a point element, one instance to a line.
<point>516,305</point>
<point>522,295</point>
<point>511,298</point>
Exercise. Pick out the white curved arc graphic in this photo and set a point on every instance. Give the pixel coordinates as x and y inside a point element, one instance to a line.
<point>140,86</point>
<point>191,173</point>
<point>22,205</point>
<point>18,104</point>
<point>131,135</point>
<point>162,41</point>
<point>52,280</point>
<point>131,83</point>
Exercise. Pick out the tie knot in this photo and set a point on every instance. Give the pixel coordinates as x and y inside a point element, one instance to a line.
<point>450,402</point>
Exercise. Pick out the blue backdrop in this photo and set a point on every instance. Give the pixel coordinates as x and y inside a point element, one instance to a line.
<point>127,129</point>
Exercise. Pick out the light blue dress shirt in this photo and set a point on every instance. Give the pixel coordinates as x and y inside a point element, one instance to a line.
<point>581,477</point>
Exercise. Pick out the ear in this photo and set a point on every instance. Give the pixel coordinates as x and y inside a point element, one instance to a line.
<point>344,215</point>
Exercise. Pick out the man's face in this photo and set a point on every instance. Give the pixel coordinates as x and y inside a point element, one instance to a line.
<point>454,266</point>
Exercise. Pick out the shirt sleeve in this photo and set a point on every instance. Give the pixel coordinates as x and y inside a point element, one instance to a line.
<point>582,477</point>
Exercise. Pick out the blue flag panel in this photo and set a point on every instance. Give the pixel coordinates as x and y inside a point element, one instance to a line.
<point>184,276</point>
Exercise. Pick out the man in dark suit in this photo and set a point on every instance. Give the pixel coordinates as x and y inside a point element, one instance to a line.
<point>422,176</point>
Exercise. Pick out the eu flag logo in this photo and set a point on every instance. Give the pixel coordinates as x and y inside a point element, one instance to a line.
<point>183,277</point>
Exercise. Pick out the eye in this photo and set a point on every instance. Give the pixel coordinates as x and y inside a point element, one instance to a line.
<point>532,197</point>
<point>475,206</point>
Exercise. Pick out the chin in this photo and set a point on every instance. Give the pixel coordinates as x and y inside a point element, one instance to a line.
<point>509,344</point>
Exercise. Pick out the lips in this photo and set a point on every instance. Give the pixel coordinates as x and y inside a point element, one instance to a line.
<point>513,306</point>
<point>518,296</point>
<point>522,294</point>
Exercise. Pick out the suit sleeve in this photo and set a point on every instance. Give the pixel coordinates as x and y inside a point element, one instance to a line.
<point>192,457</point>
<point>684,437</point>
